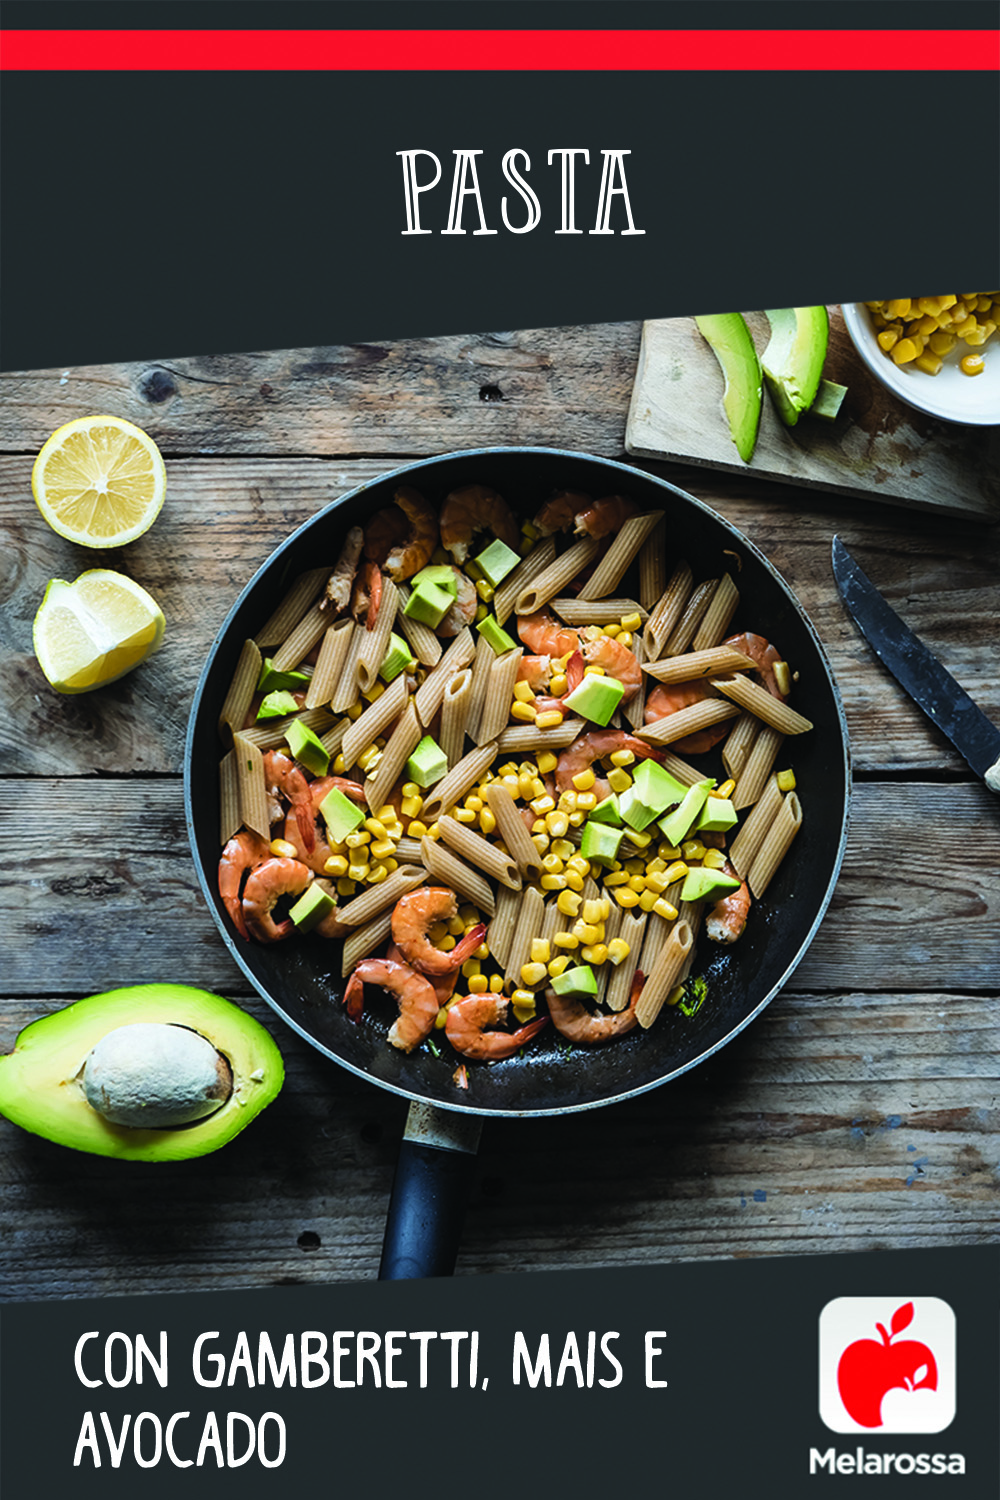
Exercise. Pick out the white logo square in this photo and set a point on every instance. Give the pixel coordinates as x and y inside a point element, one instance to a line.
<point>887,1364</point>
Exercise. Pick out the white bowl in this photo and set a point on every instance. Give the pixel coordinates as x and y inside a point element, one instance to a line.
<point>950,395</point>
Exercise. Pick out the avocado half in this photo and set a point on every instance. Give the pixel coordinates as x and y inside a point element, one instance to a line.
<point>41,1081</point>
<point>729,338</point>
<point>793,360</point>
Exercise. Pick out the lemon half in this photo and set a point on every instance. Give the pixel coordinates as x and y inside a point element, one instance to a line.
<point>99,481</point>
<point>95,630</point>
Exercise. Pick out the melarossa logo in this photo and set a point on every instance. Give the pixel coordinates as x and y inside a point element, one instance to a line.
<point>860,1462</point>
<point>887,1364</point>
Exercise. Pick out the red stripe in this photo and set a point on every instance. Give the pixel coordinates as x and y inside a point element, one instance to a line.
<point>496,51</point>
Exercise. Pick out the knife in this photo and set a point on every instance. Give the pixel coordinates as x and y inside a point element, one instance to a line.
<point>917,670</point>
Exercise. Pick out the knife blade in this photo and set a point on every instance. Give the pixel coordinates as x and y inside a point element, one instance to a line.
<point>915,668</point>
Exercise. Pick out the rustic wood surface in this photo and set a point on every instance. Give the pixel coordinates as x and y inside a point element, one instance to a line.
<point>861,1111</point>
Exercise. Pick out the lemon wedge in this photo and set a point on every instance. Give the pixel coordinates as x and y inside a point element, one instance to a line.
<point>95,630</point>
<point>99,481</point>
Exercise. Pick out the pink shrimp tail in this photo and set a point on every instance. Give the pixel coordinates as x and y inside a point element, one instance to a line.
<point>354,998</point>
<point>524,1034</point>
<point>467,947</point>
<point>574,672</point>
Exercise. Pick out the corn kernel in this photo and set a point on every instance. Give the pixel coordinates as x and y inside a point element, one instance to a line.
<point>632,621</point>
<point>626,897</point>
<point>618,950</point>
<point>597,953</point>
<point>637,883</point>
<point>464,815</point>
<point>542,805</point>
<point>478,984</point>
<point>557,824</point>
<point>786,781</point>
<point>447,943</point>
<point>540,951</point>
<point>525,713</point>
<point>588,932</point>
<point>408,789</point>
<point>553,883</point>
<point>357,872</point>
<point>552,864</point>
<point>377,873</point>
<point>541,842</point>
<point>391,864</point>
<point>584,780</point>
<point>551,719</point>
<point>487,820</point>
<point>563,847</point>
<point>530,530</point>
<point>470,967</point>
<point>335,865</point>
<point>496,984</point>
<point>612,630</point>
<point>538,826</point>
<point>640,840</point>
<point>345,887</point>
<point>593,671</point>
<point>664,908</point>
<point>647,900</point>
<point>725,790</point>
<point>566,940</point>
<point>456,926</point>
<point>524,692</point>
<point>533,973</point>
<point>369,758</point>
<point>668,852</point>
<point>655,881</point>
<point>558,685</point>
<point>524,998</point>
<point>282,849</point>
<point>586,801</point>
<point>616,877</point>
<point>625,639</point>
<point>546,762</point>
<point>559,965</point>
<point>574,880</point>
<point>619,780</point>
<point>417,829</point>
<point>578,863</point>
<point>693,849</point>
<point>359,837</point>
<point>714,859</point>
<point>355,711</point>
<point>569,903</point>
<point>384,849</point>
<point>432,831</point>
<point>474,803</point>
<point>339,766</point>
<point>526,785</point>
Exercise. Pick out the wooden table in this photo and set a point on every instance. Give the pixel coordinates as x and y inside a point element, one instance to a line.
<point>861,1111</point>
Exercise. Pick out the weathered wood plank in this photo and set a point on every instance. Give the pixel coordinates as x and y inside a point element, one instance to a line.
<point>100,890</point>
<point>836,1123</point>
<point>562,387</point>
<point>223,517</point>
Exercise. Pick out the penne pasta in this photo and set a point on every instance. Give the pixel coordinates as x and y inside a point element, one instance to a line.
<point>431,690</point>
<point>595,611</point>
<point>230,816</point>
<point>747,843</point>
<point>631,929</point>
<point>455,715</point>
<point>334,738</point>
<point>696,664</point>
<point>236,704</point>
<point>329,664</point>
<point>759,764</point>
<point>453,787</point>
<point>619,557</point>
<point>425,645</point>
<point>688,721</point>
<point>760,702</point>
<point>679,769</point>
<point>529,922</point>
<point>739,742</point>
<point>364,940</point>
<point>375,642</point>
<point>513,831</point>
<point>481,668</point>
<point>375,720</point>
<point>479,853</point>
<point>254,810</point>
<point>408,851</point>
<point>346,692</point>
<point>603,972</point>
<point>399,747</point>
<point>653,565</point>
<point>776,844</point>
<point>663,975</point>
<point>693,613</point>
<point>381,897</point>
<point>634,710</point>
<point>302,639</point>
<point>656,934</point>
<point>271,733</point>
<point>293,607</point>
<point>501,929</point>
<point>521,737</point>
<point>499,694</point>
<point>562,570</point>
<point>444,866</point>
<point>718,615</point>
<point>536,562</point>
<point>667,610</point>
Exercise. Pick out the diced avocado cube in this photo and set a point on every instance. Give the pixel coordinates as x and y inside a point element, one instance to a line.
<point>656,787</point>
<point>271,681</point>
<point>578,981</point>
<point>701,884</point>
<point>493,632</point>
<point>600,842</point>
<point>428,604</point>
<point>439,574</point>
<point>828,401</point>
<point>277,705</point>
<point>340,815</point>
<point>311,907</point>
<point>428,763</point>
<point>607,812</point>
<point>718,817</point>
<point>596,698</point>
<point>308,748</point>
<point>497,561</point>
<point>397,658</point>
<point>634,811</point>
<point>677,824</point>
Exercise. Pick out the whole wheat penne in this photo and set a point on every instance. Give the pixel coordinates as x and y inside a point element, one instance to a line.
<point>776,844</point>
<point>620,555</point>
<point>695,664</point>
<point>603,972</point>
<point>694,612</point>
<point>293,607</point>
<point>499,693</point>
<point>634,709</point>
<point>408,851</point>
<point>760,702</point>
<point>453,787</point>
<point>656,934</point>
<point>399,747</point>
<point>329,663</point>
<point>663,975</point>
<point>230,815</point>
<point>334,737</point>
<point>270,733</point>
<point>364,940</point>
<point>381,897</point>
<point>747,843</point>
<point>479,853</point>
<point>481,669</point>
<point>425,645</point>
<point>513,832</point>
<point>631,929</point>
<point>302,639</point>
<point>518,737</point>
<point>595,611</point>
<point>653,565</point>
<point>375,720</point>
<point>530,568</point>
<point>254,812</point>
<point>759,764</point>
<point>346,692</point>
<point>717,616</point>
<point>562,570</point>
<point>236,704</point>
<point>501,929</point>
<point>431,690</point>
<point>552,922</point>
<point>455,715</point>
<point>446,867</point>
<point>375,643</point>
<point>680,770</point>
<point>529,922</point>
<point>739,742</point>
<point>667,610</point>
<point>688,721</point>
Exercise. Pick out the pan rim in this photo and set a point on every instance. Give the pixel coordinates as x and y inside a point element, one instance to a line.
<point>627,469</point>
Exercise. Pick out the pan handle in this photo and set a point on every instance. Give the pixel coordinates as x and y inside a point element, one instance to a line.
<point>433,1174</point>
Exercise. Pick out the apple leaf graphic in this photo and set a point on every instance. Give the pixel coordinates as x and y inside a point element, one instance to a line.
<point>920,1375</point>
<point>902,1318</point>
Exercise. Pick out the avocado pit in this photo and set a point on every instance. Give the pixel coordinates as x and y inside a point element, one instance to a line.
<point>155,1075</point>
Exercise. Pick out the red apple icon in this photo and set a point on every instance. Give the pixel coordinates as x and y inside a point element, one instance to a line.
<point>867,1369</point>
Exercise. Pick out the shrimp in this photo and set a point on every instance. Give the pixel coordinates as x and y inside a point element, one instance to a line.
<point>728,917</point>
<point>576,1023</point>
<point>466,1028</point>
<point>366,596</point>
<point>764,656</point>
<point>411,917</point>
<point>463,611</point>
<point>283,778</point>
<point>241,855</point>
<point>617,660</point>
<point>471,509</point>
<point>317,857</point>
<point>560,511</point>
<point>669,698</point>
<point>605,516</point>
<point>546,636</point>
<point>338,585</point>
<point>266,884</point>
<point>590,747</point>
<point>443,985</point>
<point>414,994</point>
<point>402,552</point>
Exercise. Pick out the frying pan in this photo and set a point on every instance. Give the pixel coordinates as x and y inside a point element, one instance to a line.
<point>301,979</point>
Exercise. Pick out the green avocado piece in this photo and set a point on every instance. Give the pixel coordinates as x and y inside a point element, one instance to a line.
<point>271,681</point>
<point>656,787</point>
<point>578,981</point>
<point>428,603</point>
<point>307,747</point>
<point>497,561</point>
<point>701,884</point>
<point>719,816</point>
<point>793,360</point>
<point>730,342</point>
<point>312,906</point>
<point>491,630</point>
<point>607,812</point>
<point>677,824</point>
<point>396,659</point>
<point>600,842</point>
<point>340,815</point>
<point>276,706</point>
<point>428,763</point>
<point>596,698</point>
<point>828,401</point>
<point>44,1082</point>
<point>440,574</point>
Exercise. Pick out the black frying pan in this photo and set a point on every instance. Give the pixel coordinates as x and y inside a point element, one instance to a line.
<point>301,979</point>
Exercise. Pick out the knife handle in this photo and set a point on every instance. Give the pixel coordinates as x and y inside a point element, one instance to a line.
<point>992,777</point>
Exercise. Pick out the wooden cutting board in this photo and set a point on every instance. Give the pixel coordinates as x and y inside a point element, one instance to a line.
<point>878,447</point>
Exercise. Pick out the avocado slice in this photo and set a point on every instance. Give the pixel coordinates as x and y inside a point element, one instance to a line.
<point>829,399</point>
<point>729,339</point>
<point>793,360</point>
<point>45,1081</point>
